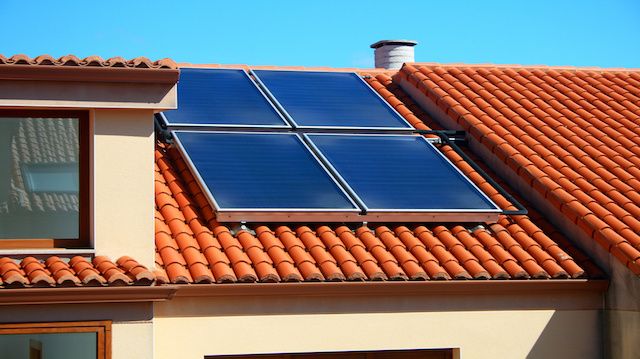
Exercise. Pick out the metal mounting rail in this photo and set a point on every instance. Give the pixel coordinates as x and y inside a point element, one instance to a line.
<point>446,137</point>
<point>161,131</point>
<point>449,137</point>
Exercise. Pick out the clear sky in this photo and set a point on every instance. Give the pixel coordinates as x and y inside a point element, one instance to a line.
<point>602,33</point>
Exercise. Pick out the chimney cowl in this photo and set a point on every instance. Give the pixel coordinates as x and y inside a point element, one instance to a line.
<point>393,42</point>
<point>391,54</point>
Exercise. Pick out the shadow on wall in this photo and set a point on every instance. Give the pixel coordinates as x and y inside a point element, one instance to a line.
<point>300,305</point>
<point>565,333</point>
<point>134,124</point>
<point>621,340</point>
<point>77,312</point>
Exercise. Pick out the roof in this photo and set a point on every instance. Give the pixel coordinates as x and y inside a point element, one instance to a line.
<point>90,61</point>
<point>54,271</point>
<point>193,247</point>
<point>571,134</point>
<point>89,69</point>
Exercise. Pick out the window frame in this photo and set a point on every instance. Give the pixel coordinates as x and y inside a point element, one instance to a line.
<point>439,353</point>
<point>84,158</point>
<point>101,328</point>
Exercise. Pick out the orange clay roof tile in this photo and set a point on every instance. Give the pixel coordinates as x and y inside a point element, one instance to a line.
<point>71,60</point>
<point>54,271</point>
<point>512,248</point>
<point>577,129</point>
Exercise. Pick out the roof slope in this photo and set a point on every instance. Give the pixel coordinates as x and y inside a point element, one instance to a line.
<point>572,134</point>
<point>54,271</point>
<point>192,247</point>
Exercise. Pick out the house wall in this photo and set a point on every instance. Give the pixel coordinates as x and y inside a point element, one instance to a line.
<point>131,330</point>
<point>483,326</point>
<point>74,94</point>
<point>622,315</point>
<point>123,198</point>
<point>622,307</point>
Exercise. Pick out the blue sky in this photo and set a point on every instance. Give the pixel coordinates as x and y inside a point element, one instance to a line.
<point>329,33</point>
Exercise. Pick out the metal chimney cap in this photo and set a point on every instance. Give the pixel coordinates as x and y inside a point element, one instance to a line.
<point>394,42</point>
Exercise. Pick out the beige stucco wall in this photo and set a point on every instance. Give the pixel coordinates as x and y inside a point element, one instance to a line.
<point>131,328</point>
<point>74,94</point>
<point>132,340</point>
<point>195,327</point>
<point>123,194</point>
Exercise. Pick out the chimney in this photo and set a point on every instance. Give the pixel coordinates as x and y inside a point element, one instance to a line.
<point>391,54</point>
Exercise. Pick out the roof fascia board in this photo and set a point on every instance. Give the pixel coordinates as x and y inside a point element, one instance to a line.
<point>87,95</point>
<point>75,295</point>
<point>311,289</point>
<point>89,74</point>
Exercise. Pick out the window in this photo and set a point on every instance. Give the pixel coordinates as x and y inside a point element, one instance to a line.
<point>73,340</point>
<point>385,354</point>
<point>44,181</point>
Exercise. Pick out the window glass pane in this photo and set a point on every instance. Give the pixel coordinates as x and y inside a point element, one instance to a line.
<point>49,346</point>
<point>39,180</point>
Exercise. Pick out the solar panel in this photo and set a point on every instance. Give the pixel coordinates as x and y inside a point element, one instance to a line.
<point>329,99</point>
<point>395,175</point>
<point>220,97</point>
<point>263,177</point>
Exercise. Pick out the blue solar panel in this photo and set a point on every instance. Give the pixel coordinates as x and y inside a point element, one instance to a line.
<point>400,173</point>
<point>261,171</point>
<point>329,99</point>
<point>217,97</point>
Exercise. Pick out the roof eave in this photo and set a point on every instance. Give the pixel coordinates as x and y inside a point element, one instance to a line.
<point>394,288</point>
<point>89,74</point>
<point>76,295</point>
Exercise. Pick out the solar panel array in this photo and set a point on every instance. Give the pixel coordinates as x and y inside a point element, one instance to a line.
<point>325,154</point>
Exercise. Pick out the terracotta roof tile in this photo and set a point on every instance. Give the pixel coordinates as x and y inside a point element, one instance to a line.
<point>54,271</point>
<point>61,272</point>
<point>71,60</point>
<point>572,134</point>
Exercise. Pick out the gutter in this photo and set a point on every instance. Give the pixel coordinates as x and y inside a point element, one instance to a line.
<point>390,288</point>
<point>162,293</point>
<point>89,74</point>
<point>77,295</point>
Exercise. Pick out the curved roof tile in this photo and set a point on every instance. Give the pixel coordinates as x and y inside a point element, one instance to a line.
<point>54,271</point>
<point>573,134</point>
<point>71,60</point>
